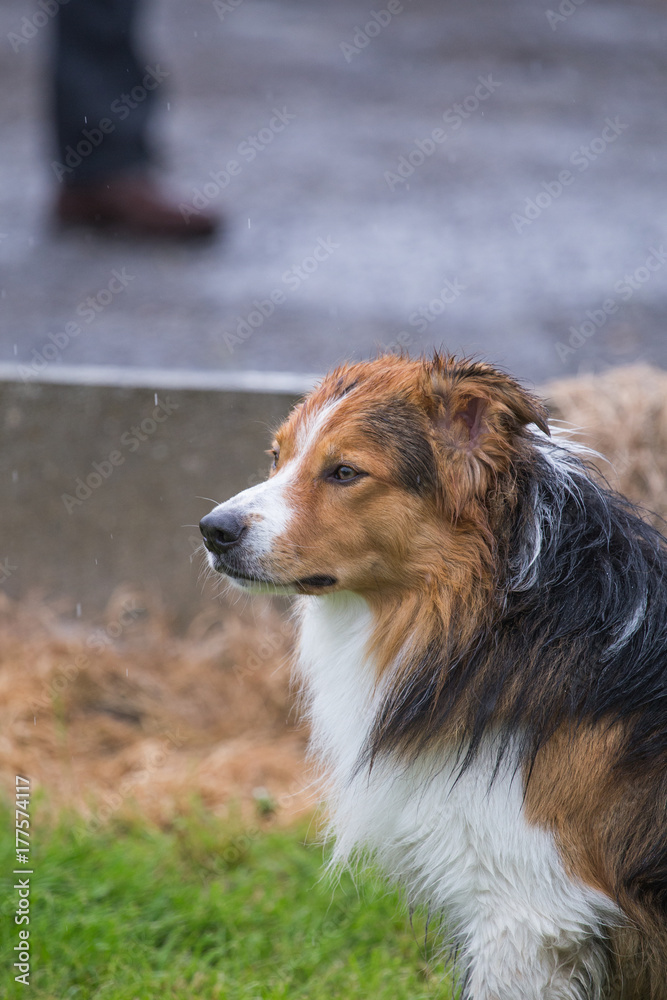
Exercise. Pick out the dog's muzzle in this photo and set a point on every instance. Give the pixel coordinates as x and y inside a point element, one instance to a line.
<point>225,534</point>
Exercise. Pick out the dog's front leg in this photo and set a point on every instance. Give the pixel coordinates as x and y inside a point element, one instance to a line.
<point>518,958</point>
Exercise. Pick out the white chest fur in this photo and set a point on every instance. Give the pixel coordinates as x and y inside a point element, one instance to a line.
<point>524,928</point>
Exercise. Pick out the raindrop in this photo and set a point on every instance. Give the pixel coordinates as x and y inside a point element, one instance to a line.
<point>168,105</point>
<point>78,611</point>
<point>248,223</point>
<point>126,672</point>
<point>16,349</point>
<point>15,476</point>
<point>155,398</point>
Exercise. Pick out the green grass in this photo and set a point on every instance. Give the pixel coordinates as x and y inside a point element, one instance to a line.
<point>205,911</point>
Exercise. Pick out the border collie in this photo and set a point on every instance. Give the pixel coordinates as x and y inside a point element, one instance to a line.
<point>483,647</point>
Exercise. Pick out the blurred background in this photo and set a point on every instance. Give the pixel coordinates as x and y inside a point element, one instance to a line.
<point>358,104</point>
<point>485,177</point>
<point>488,179</point>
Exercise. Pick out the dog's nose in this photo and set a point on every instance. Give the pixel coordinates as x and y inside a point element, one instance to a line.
<point>222,531</point>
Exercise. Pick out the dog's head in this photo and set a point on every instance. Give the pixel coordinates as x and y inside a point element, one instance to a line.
<point>378,480</point>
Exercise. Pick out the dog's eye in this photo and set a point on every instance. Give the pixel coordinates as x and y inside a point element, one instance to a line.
<point>275,454</point>
<point>345,473</point>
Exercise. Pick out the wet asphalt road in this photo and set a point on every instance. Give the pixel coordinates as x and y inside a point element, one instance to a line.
<point>485,176</point>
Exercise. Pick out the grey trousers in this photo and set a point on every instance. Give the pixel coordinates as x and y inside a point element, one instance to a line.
<point>102,91</point>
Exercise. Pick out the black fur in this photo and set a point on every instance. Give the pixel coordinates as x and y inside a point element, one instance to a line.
<point>552,651</point>
<point>396,426</point>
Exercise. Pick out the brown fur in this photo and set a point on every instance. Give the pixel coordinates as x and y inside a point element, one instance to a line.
<point>420,562</point>
<point>426,562</point>
<point>577,790</point>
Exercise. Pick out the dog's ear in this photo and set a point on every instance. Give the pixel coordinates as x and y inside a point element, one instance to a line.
<point>471,410</point>
<point>478,418</point>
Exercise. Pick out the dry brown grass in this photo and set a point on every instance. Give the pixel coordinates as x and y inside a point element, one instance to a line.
<point>623,415</point>
<point>128,713</point>
<point>148,718</point>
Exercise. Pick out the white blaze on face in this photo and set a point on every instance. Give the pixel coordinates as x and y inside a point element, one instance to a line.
<point>267,509</point>
<point>308,435</point>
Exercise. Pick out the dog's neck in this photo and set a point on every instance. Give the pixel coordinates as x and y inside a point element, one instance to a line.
<point>351,653</point>
<point>339,677</point>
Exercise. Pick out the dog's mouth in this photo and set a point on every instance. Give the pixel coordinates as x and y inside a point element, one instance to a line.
<point>317,581</point>
<point>303,585</point>
<point>243,578</point>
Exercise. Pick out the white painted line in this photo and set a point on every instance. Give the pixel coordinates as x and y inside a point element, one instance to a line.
<point>292,383</point>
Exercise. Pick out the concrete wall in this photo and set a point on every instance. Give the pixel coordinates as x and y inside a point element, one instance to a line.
<point>100,482</point>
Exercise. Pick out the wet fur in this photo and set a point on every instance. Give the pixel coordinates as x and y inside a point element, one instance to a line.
<point>510,616</point>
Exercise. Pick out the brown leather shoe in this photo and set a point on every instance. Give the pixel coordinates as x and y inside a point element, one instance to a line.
<point>132,203</point>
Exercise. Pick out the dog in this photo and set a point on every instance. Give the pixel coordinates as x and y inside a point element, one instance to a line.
<point>483,648</point>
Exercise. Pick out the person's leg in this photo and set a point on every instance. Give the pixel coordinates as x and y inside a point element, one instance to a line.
<point>102,96</point>
<point>100,123</point>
